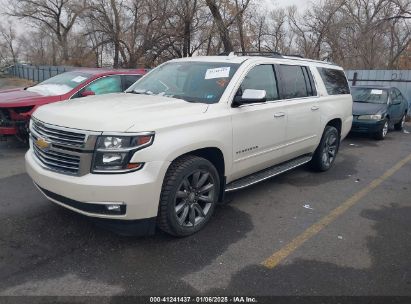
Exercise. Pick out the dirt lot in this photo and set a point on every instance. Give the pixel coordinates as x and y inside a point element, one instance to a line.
<point>343,232</point>
<point>9,83</point>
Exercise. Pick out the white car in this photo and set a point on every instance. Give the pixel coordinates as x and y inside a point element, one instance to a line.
<point>165,152</point>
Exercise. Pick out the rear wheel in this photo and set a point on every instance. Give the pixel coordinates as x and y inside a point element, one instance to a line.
<point>189,195</point>
<point>324,155</point>
<point>400,125</point>
<point>380,135</point>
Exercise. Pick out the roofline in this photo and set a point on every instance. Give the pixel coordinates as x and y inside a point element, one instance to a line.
<point>310,60</point>
<point>240,59</point>
<point>105,71</point>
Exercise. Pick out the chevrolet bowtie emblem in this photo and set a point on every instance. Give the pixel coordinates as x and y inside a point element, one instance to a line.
<point>42,143</point>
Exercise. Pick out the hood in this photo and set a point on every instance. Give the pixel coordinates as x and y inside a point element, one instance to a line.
<point>363,108</point>
<point>19,98</point>
<point>120,112</point>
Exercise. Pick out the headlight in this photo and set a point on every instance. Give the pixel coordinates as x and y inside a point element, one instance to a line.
<point>114,152</point>
<point>370,117</point>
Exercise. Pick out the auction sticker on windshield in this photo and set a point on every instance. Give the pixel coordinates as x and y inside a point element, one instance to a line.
<point>376,92</point>
<point>217,73</point>
<point>79,79</point>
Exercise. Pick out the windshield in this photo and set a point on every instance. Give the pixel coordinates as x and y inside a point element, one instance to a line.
<point>369,95</point>
<point>191,81</point>
<point>60,84</point>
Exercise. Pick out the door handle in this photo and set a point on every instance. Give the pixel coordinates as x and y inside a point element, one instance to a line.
<point>279,114</point>
<point>315,108</point>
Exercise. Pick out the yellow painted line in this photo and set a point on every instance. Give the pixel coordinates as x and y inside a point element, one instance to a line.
<point>288,249</point>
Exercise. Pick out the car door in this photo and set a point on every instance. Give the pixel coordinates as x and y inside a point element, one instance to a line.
<point>404,104</point>
<point>297,92</point>
<point>395,108</point>
<point>259,128</point>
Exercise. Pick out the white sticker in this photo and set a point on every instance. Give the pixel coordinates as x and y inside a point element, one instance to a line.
<point>217,73</point>
<point>79,79</point>
<point>376,92</point>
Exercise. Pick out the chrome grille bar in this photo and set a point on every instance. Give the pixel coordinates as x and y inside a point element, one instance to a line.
<point>56,164</point>
<point>59,136</point>
<point>67,151</point>
<point>50,157</point>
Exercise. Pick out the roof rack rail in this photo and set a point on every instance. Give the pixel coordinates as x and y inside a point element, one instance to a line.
<point>294,55</point>
<point>252,53</point>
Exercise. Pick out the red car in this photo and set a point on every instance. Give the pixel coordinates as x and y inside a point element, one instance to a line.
<point>17,105</point>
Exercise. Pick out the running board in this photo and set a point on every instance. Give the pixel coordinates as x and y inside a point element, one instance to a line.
<point>267,173</point>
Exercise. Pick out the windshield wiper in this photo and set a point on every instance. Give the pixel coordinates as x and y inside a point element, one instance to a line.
<point>140,92</point>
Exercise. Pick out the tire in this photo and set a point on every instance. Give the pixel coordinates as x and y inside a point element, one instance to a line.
<point>380,135</point>
<point>400,125</point>
<point>181,197</point>
<point>326,152</point>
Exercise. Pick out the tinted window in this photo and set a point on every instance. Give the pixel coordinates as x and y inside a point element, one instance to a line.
<point>295,81</point>
<point>396,96</point>
<point>129,80</point>
<point>335,81</point>
<point>105,85</point>
<point>261,77</point>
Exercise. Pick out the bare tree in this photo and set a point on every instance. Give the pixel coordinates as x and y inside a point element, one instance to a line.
<point>59,16</point>
<point>9,44</point>
<point>128,33</point>
<point>222,28</point>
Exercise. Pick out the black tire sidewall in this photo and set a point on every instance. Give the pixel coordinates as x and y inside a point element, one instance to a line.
<point>380,134</point>
<point>198,163</point>
<point>317,163</point>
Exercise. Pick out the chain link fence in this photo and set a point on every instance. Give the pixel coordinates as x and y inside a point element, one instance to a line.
<point>36,73</point>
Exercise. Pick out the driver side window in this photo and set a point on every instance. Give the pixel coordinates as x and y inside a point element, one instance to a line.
<point>261,77</point>
<point>396,97</point>
<point>104,85</point>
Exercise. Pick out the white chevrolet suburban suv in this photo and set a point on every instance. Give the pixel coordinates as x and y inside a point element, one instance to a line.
<point>164,152</point>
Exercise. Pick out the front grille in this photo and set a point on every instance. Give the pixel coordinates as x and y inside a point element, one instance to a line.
<point>58,136</point>
<point>61,149</point>
<point>58,161</point>
<point>5,118</point>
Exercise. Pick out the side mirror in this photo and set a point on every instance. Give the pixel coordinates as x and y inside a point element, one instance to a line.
<point>250,96</point>
<point>86,93</point>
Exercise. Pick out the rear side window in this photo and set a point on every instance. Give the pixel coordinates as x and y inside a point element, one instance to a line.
<point>129,80</point>
<point>296,81</point>
<point>335,81</point>
<point>261,77</point>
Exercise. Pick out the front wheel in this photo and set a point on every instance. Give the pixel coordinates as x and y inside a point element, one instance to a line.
<point>324,155</point>
<point>189,195</point>
<point>380,135</point>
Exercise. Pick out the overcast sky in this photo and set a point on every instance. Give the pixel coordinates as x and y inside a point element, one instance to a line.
<point>301,4</point>
<point>298,3</point>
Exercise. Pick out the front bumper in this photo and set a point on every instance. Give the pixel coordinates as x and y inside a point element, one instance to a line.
<point>11,124</point>
<point>365,126</point>
<point>7,131</point>
<point>138,191</point>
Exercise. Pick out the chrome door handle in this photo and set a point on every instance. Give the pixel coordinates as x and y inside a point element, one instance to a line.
<point>315,108</point>
<point>279,114</point>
